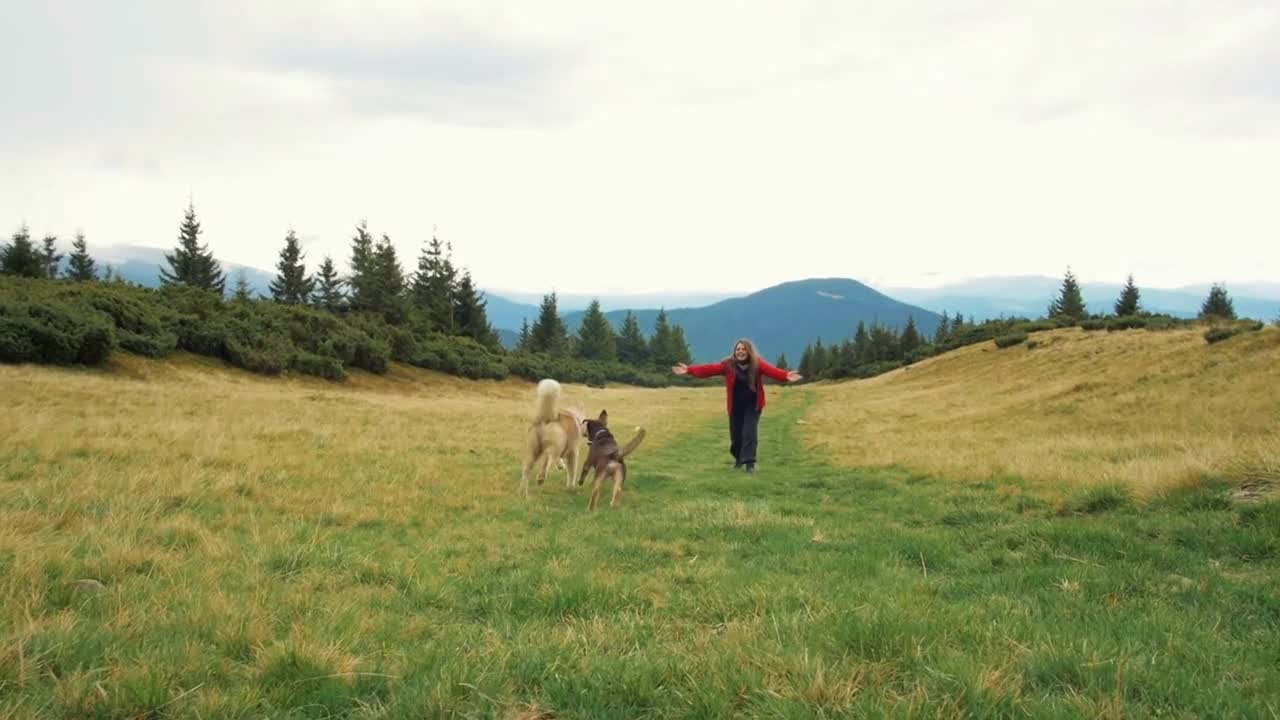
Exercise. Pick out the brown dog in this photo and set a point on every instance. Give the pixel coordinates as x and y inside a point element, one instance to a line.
<point>553,435</point>
<point>605,457</point>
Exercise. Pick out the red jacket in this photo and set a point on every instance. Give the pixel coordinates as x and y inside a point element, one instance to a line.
<point>723,368</point>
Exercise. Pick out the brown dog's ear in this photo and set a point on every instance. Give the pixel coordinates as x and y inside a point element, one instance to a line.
<point>604,417</point>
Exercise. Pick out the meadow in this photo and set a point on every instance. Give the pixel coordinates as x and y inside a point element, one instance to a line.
<point>1144,411</point>
<point>181,539</point>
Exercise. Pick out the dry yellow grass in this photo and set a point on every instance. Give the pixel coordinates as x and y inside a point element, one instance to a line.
<point>105,457</point>
<point>1145,409</point>
<point>180,539</point>
<point>406,430</point>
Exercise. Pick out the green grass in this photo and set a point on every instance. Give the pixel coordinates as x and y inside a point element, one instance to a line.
<point>803,591</point>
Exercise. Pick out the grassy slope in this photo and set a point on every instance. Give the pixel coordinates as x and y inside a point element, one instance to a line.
<point>305,550</point>
<point>1148,410</point>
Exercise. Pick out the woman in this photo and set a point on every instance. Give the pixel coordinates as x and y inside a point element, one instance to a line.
<point>743,373</point>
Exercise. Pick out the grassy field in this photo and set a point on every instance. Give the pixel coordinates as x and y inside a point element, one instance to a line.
<point>286,548</point>
<point>1145,410</point>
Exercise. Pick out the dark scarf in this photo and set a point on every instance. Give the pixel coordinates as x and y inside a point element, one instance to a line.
<point>743,389</point>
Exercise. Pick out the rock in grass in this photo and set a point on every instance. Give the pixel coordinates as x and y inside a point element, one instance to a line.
<point>86,586</point>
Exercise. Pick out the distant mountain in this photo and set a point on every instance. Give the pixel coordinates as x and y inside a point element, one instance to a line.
<point>507,311</point>
<point>504,314</point>
<point>779,319</point>
<point>1265,291</point>
<point>1030,295</point>
<point>568,302</point>
<point>508,338</point>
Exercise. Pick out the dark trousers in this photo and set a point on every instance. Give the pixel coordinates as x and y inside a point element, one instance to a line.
<point>744,426</point>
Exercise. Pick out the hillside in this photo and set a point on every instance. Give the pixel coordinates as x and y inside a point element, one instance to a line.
<point>1144,409</point>
<point>1030,295</point>
<point>780,319</point>
<point>183,539</point>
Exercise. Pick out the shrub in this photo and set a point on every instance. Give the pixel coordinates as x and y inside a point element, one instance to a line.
<point>16,345</point>
<point>1221,332</point>
<point>148,346</point>
<point>915,356</point>
<point>1094,325</point>
<point>329,368</point>
<point>48,332</point>
<point>1037,326</point>
<point>1126,322</point>
<point>1010,340</point>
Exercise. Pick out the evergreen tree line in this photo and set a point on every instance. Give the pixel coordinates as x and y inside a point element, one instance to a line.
<point>1069,307</point>
<point>597,341</point>
<point>433,317</point>
<point>870,351</point>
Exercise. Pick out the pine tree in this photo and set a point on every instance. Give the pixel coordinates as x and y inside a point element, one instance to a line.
<point>846,358</point>
<point>781,362</point>
<point>328,292</point>
<point>389,286</point>
<point>818,362</point>
<point>241,294</point>
<point>292,285</point>
<point>191,263</point>
<point>50,256</point>
<point>525,343</point>
<point>861,345</point>
<point>679,345</point>
<point>632,347</point>
<point>806,361</point>
<point>362,281</point>
<point>1218,306</point>
<point>434,284</point>
<point>662,351</point>
<point>595,336</point>
<point>449,285</point>
<point>389,272</point>
<point>943,333</point>
<point>20,257</point>
<point>80,266</point>
<point>1069,305</point>
<point>470,316</point>
<point>1127,304</point>
<point>884,343</point>
<point>910,338</point>
<point>549,334</point>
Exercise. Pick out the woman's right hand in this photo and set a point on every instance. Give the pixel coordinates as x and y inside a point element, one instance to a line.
<point>680,369</point>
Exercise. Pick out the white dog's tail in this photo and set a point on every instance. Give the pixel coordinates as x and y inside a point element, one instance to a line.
<point>548,400</point>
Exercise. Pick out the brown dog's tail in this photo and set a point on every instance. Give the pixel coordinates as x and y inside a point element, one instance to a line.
<point>635,443</point>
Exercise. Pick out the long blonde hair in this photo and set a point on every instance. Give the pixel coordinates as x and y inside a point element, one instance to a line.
<point>753,360</point>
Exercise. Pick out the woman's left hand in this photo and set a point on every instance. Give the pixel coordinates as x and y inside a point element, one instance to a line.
<point>793,376</point>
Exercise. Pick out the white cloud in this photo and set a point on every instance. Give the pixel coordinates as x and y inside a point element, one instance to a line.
<point>685,146</point>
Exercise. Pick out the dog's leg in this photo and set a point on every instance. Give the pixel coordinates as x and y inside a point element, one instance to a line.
<point>544,464</point>
<point>619,477</point>
<point>530,464</point>
<point>570,467</point>
<point>595,489</point>
<point>530,457</point>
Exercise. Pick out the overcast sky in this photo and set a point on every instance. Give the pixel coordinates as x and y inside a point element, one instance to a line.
<point>659,146</point>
